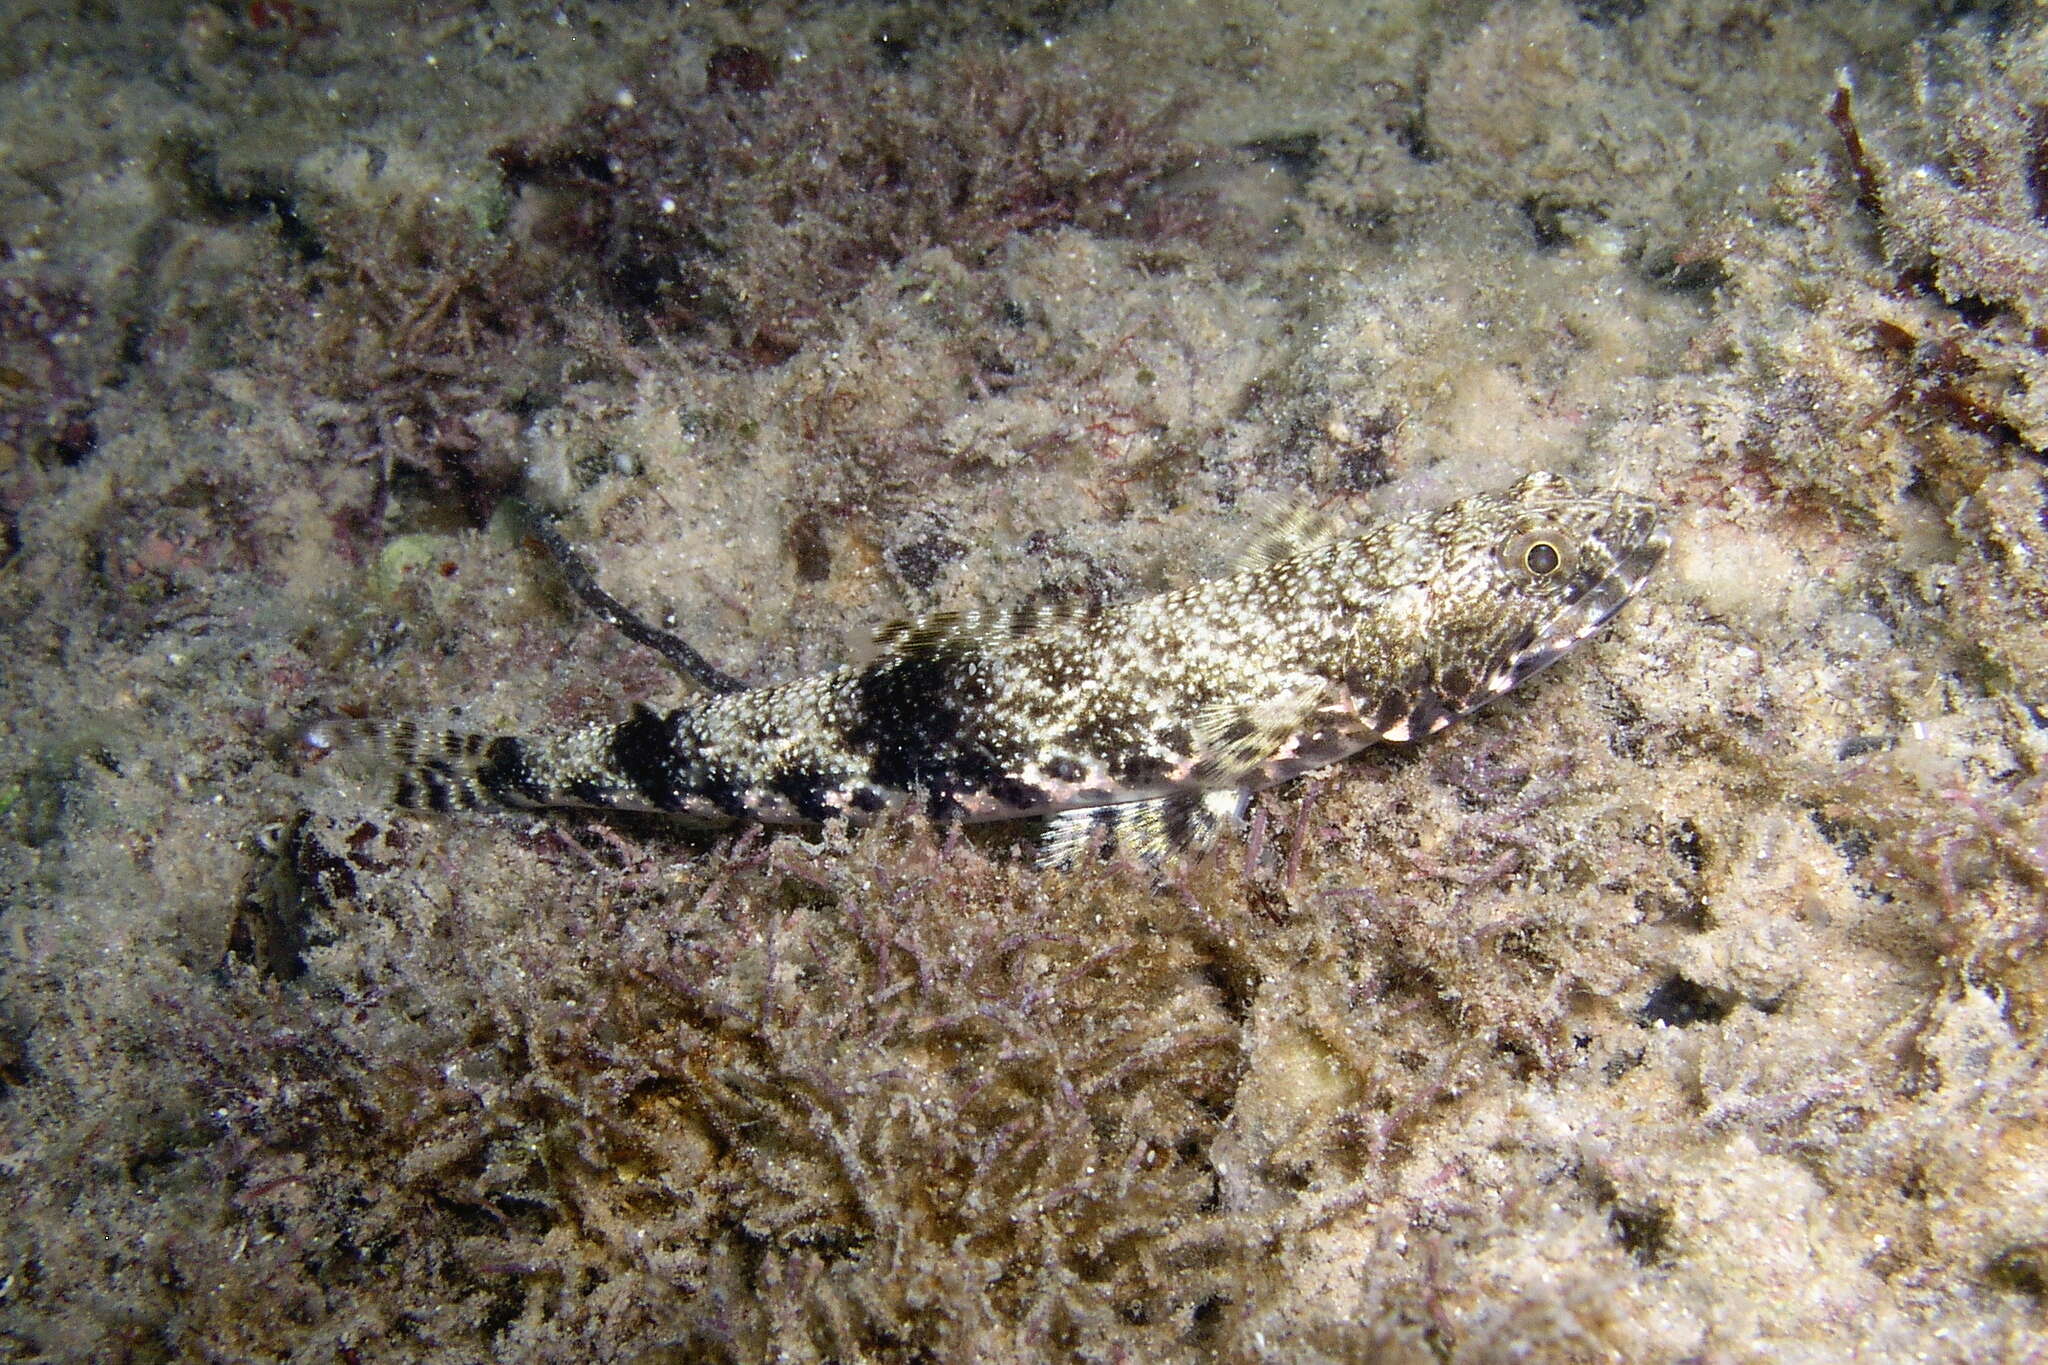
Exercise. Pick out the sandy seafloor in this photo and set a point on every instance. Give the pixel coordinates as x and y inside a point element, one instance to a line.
<point>1688,1005</point>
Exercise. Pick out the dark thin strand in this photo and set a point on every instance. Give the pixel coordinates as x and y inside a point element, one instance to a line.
<point>1869,193</point>
<point>577,573</point>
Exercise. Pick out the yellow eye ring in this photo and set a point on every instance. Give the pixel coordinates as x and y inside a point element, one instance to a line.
<point>1541,555</point>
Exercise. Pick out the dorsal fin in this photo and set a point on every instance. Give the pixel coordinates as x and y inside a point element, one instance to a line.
<point>1286,531</point>
<point>957,631</point>
<point>1039,618</point>
<point>933,633</point>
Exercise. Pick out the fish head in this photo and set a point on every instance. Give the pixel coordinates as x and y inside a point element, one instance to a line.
<point>1516,580</point>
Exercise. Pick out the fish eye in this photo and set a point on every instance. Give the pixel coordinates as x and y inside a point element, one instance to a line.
<point>1540,555</point>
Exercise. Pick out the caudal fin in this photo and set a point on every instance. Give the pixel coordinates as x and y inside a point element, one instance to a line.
<point>428,768</point>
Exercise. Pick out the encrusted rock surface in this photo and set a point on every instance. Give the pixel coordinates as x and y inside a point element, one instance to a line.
<point>1688,1005</point>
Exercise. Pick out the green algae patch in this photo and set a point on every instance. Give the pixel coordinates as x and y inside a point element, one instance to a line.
<point>415,558</point>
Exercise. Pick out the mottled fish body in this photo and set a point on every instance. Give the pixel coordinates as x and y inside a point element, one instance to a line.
<point>1143,725</point>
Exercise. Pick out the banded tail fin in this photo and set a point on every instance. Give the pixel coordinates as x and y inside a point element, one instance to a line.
<point>435,769</point>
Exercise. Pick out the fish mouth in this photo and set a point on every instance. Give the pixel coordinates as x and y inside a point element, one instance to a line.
<point>1630,542</point>
<point>1621,552</point>
<point>1636,535</point>
<point>1635,542</point>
